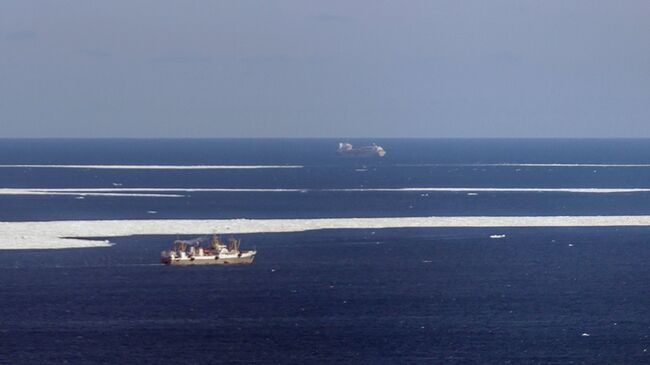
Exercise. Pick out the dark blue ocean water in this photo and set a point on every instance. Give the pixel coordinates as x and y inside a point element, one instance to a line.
<point>420,295</point>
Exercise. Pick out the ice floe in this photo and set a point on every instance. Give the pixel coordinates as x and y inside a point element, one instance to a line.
<point>156,167</point>
<point>80,193</point>
<point>567,165</point>
<point>178,192</point>
<point>473,191</point>
<point>70,234</point>
<point>507,164</point>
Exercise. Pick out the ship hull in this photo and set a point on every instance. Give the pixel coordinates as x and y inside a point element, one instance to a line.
<point>208,260</point>
<point>186,253</point>
<point>355,153</point>
<point>347,149</point>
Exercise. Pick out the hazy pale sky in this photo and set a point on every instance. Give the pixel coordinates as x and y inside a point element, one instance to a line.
<point>408,68</point>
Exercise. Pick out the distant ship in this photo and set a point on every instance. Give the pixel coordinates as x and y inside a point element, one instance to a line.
<point>192,252</point>
<point>365,151</point>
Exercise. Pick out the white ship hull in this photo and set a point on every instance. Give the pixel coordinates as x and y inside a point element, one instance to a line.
<point>245,258</point>
<point>192,253</point>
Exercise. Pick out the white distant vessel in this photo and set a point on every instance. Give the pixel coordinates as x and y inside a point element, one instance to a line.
<point>192,253</point>
<point>364,151</point>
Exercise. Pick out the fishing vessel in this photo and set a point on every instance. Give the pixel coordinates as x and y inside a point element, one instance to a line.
<point>192,252</point>
<point>364,151</point>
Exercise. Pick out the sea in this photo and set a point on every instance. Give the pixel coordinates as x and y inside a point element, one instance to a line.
<point>452,295</point>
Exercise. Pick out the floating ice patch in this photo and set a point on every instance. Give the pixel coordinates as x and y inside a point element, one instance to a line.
<point>64,234</point>
<point>566,165</point>
<point>155,167</point>
<point>498,236</point>
<point>80,193</point>
<point>173,192</point>
<point>474,191</point>
<point>505,164</point>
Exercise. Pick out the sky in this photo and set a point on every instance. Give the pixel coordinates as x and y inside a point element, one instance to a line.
<point>329,68</point>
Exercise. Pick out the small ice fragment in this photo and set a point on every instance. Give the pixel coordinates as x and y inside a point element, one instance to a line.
<point>570,244</point>
<point>272,270</point>
<point>585,334</point>
<point>117,184</point>
<point>497,236</point>
<point>152,211</point>
<point>426,261</point>
<point>80,197</point>
<point>472,194</point>
<point>425,194</point>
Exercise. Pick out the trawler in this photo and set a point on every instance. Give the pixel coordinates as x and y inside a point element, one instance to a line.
<point>192,252</point>
<point>365,151</point>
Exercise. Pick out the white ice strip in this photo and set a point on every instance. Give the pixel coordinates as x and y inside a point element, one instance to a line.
<point>509,190</point>
<point>505,164</point>
<point>173,192</point>
<point>138,190</point>
<point>65,234</point>
<point>157,167</point>
<point>84,193</point>
<point>567,165</point>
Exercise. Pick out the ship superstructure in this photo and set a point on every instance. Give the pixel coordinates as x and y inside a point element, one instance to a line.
<point>364,151</point>
<point>192,252</point>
